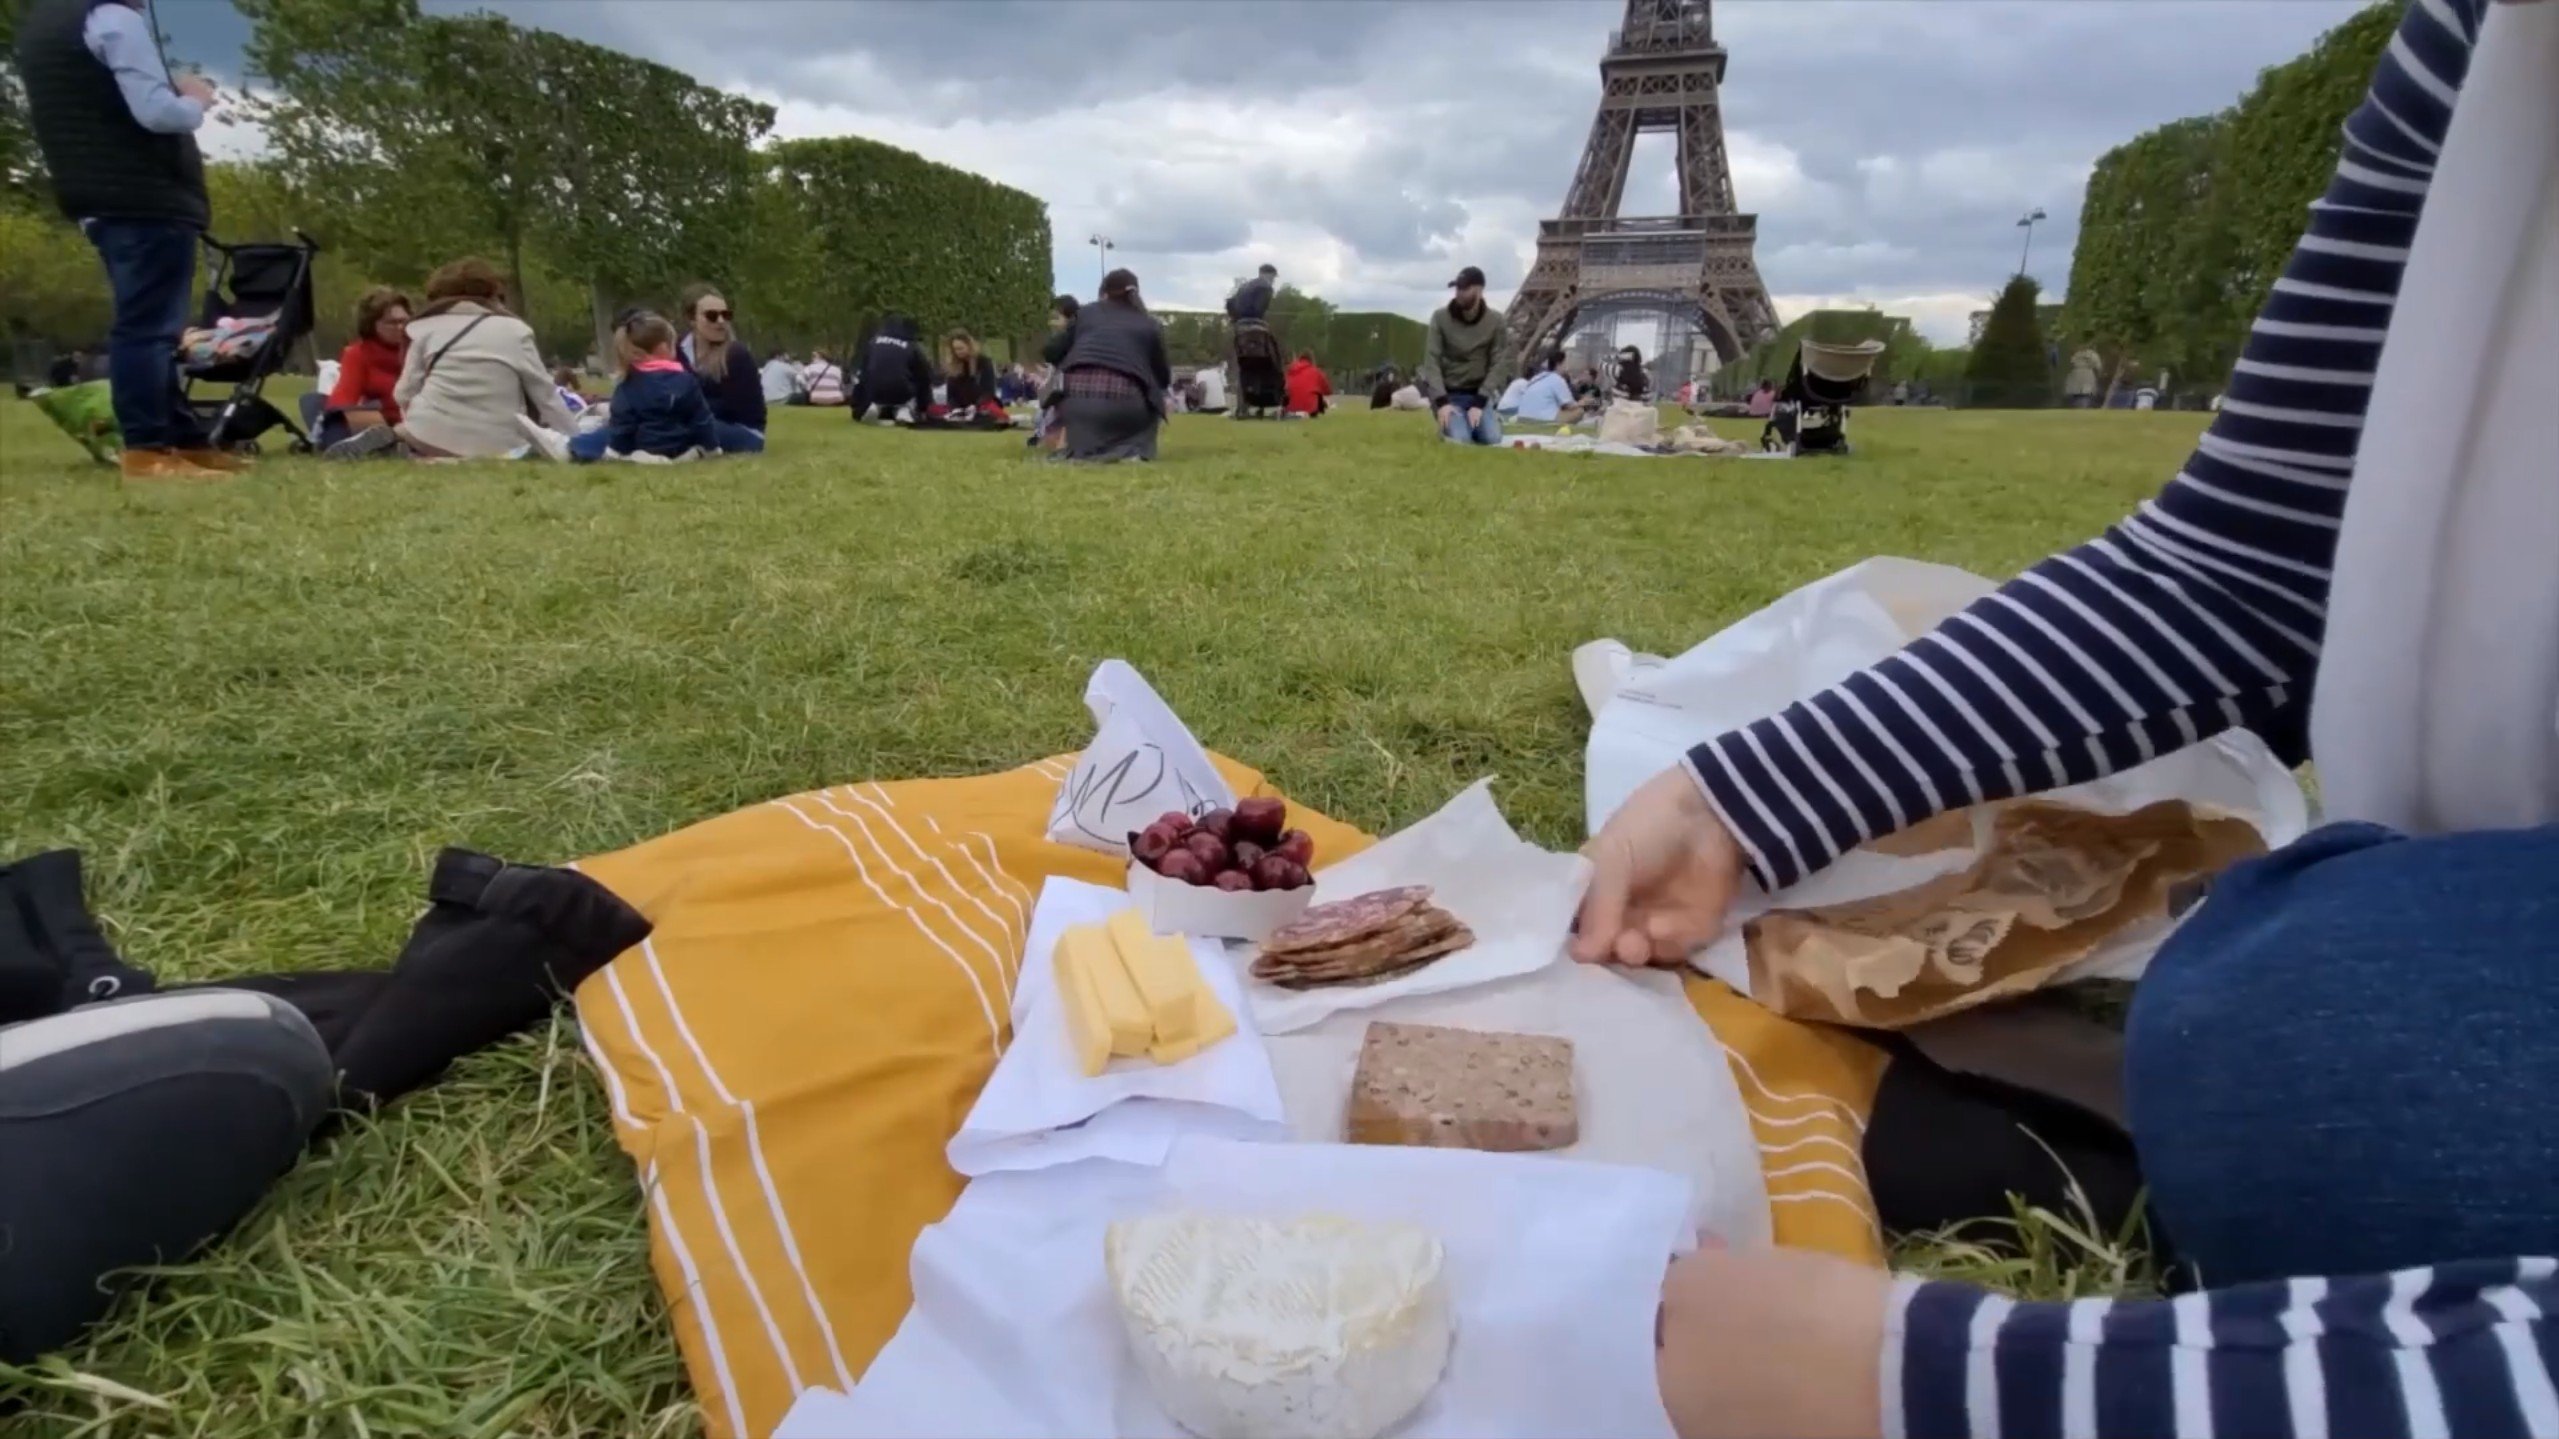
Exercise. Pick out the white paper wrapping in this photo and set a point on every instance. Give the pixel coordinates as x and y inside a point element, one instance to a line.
<point>1517,898</point>
<point>1821,634</point>
<point>1039,1108</point>
<point>1554,1269</point>
<point>1143,762</point>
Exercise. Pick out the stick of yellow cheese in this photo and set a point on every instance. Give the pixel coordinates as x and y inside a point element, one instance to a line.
<point>1129,991</point>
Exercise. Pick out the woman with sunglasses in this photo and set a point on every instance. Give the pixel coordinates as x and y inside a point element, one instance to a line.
<point>730,380</point>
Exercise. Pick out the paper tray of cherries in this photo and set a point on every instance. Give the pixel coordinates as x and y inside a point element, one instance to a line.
<point>1234,874</point>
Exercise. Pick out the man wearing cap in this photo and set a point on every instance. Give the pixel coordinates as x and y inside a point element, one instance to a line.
<point>1464,363</point>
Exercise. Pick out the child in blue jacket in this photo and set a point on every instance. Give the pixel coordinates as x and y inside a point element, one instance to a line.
<point>658,408</point>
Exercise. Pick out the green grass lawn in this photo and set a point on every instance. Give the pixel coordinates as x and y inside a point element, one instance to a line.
<point>261,706</point>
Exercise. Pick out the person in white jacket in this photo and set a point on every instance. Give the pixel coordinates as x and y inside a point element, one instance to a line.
<point>472,370</point>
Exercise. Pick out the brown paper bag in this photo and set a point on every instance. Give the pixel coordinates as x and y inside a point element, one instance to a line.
<point>2053,883</point>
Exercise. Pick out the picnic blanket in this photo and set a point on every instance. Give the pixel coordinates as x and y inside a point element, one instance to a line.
<point>827,987</point>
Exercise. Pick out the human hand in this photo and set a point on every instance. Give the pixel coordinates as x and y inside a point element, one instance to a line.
<point>197,88</point>
<point>1475,416</point>
<point>1775,1342</point>
<point>1663,873</point>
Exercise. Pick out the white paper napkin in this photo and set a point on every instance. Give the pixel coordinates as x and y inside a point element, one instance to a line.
<point>1554,1266</point>
<point>1039,1109</point>
<point>1518,899</point>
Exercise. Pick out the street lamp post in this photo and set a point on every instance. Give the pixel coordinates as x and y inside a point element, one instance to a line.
<point>2027,223</point>
<point>1103,244</point>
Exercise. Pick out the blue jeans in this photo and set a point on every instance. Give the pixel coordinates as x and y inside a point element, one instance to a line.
<point>588,448</point>
<point>1487,431</point>
<point>150,272</point>
<point>2346,1060</point>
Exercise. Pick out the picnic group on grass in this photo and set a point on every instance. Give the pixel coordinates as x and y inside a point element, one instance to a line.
<point>2340,1066</point>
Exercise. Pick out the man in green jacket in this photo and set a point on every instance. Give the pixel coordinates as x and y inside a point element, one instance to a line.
<point>1464,363</point>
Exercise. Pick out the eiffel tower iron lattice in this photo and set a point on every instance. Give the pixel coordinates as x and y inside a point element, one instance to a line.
<point>1663,71</point>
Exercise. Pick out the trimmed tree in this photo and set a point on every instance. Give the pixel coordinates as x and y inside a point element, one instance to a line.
<point>2009,369</point>
<point>432,136</point>
<point>848,228</point>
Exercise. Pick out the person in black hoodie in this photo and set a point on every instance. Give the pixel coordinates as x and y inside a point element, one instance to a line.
<point>1116,375</point>
<point>730,379</point>
<point>895,372</point>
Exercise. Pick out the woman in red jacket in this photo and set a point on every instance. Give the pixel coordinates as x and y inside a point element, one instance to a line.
<point>1307,387</point>
<point>368,367</point>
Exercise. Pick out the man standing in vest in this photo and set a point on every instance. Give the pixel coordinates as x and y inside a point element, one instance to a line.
<point>118,138</point>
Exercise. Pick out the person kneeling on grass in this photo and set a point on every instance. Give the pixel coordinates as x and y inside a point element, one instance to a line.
<point>1116,375</point>
<point>1464,364</point>
<point>2338,1067</point>
<point>658,408</point>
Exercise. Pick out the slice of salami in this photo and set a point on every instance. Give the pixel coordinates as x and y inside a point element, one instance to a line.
<point>1346,919</point>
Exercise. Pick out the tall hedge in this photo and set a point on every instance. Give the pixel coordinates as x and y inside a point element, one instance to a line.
<point>2184,228</point>
<point>847,228</point>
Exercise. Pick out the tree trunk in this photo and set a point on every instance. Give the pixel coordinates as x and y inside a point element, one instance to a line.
<point>602,310</point>
<point>515,274</point>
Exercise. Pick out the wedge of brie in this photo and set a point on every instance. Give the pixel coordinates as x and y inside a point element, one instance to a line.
<point>1308,1328</point>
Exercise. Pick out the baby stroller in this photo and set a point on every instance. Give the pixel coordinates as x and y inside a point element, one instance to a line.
<point>257,308</point>
<point>1261,372</point>
<point>1811,417</point>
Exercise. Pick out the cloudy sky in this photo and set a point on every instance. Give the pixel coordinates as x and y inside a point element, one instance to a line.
<point>1369,147</point>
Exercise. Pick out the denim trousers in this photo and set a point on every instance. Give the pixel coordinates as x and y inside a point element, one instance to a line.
<point>2347,1060</point>
<point>1455,429</point>
<point>150,273</point>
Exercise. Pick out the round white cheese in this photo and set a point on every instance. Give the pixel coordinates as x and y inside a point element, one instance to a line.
<point>1310,1328</point>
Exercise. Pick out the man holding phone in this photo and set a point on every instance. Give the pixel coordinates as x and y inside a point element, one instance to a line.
<point>118,137</point>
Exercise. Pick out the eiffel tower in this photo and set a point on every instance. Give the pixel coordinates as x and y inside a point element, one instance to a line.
<point>1692,270</point>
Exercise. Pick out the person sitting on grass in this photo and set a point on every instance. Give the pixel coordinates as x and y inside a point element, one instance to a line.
<point>784,381</point>
<point>968,383</point>
<point>368,370</point>
<point>1763,400</point>
<point>1382,394</point>
<point>1309,392</point>
<point>1465,364</point>
<point>472,371</point>
<point>564,381</point>
<point>1632,382</point>
<point>822,383</point>
<point>1547,398</point>
<point>896,373</point>
<point>2338,1066</point>
<point>1116,375</point>
<point>1048,432</point>
<point>730,379</point>
<point>658,408</point>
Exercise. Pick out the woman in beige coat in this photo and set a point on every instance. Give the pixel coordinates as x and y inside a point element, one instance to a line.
<point>472,370</point>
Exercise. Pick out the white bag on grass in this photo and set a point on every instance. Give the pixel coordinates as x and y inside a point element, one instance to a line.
<point>1141,763</point>
<point>1629,422</point>
<point>1821,634</point>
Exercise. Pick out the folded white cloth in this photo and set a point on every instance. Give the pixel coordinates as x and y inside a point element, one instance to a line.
<point>1039,1109</point>
<point>1554,1270</point>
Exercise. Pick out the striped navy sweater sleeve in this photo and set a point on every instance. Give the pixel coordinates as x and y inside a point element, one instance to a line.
<point>2465,1349</point>
<point>2200,612</point>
